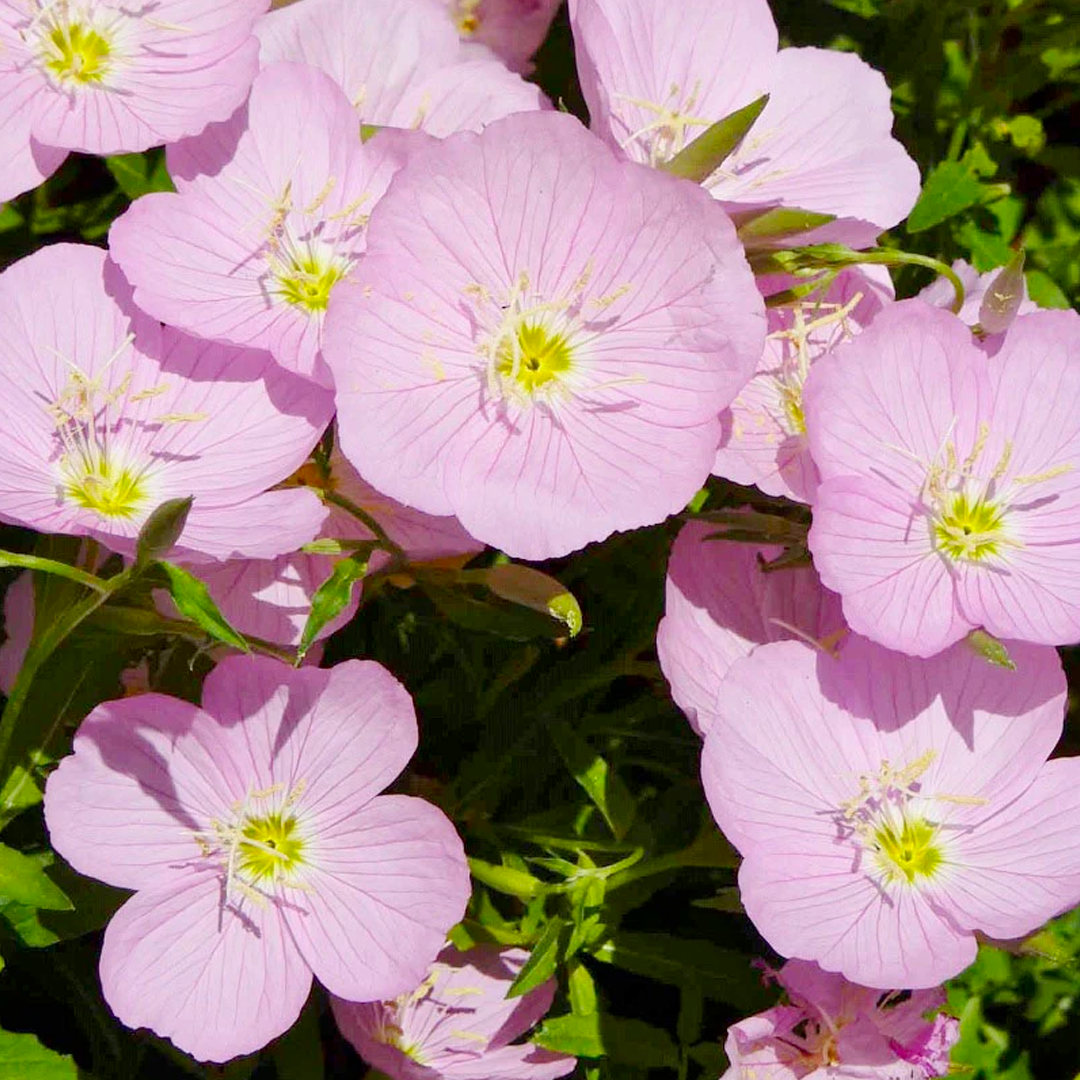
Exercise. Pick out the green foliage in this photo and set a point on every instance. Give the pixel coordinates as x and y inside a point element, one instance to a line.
<point>22,1057</point>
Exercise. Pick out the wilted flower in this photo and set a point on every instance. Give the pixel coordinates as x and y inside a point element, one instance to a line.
<point>260,849</point>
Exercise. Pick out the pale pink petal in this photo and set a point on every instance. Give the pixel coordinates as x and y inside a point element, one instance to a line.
<point>701,59</point>
<point>822,143</point>
<point>1021,866</point>
<point>719,604</point>
<point>427,81</point>
<point>26,161</point>
<point>810,905</point>
<point>513,29</point>
<point>216,982</point>
<point>147,776</point>
<point>873,546</point>
<point>262,527</point>
<point>388,881</point>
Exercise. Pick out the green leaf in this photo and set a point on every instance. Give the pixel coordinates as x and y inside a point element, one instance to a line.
<point>22,1057</point>
<point>330,599</point>
<point>10,218</point>
<point>720,973</point>
<point>596,777</point>
<point>949,190</point>
<point>577,1035</point>
<point>1045,291</point>
<point>542,962</point>
<point>162,529</point>
<point>193,600</point>
<point>702,157</point>
<point>468,602</point>
<point>139,174</point>
<point>532,589</point>
<point>582,989</point>
<point>23,880</point>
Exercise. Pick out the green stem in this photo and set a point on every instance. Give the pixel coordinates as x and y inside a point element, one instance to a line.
<point>367,521</point>
<point>50,566</point>
<point>909,258</point>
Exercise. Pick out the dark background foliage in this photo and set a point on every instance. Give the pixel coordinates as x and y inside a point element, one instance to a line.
<point>563,762</point>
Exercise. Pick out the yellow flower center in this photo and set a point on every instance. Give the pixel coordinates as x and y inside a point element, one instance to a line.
<point>76,53</point>
<point>112,492</point>
<point>969,528</point>
<point>307,281</point>
<point>270,848</point>
<point>908,850</point>
<point>467,17</point>
<point>532,356</point>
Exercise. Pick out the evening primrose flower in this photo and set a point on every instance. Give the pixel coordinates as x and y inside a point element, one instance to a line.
<point>107,78</point>
<point>764,437</point>
<point>540,337</point>
<point>831,1029</point>
<point>719,605</point>
<point>428,81</point>
<point>260,848</point>
<point>514,29</point>
<point>655,76</point>
<point>888,808</point>
<point>950,495</point>
<point>268,219</point>
<point>458,1024</point>
<point>108,416</point>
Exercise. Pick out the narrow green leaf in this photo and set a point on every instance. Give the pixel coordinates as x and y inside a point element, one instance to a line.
<point>781,223</point>
<point>702,157</point>
<point>162,529</point>
<point>330,599</point>
<point>949,190</point>
<point>22,879</point>
<point>22,1057</point>
<point>542,962</point>
<point>506,879</point>
<point>596,777</point>
<point>582,989</point>
<point>49,566</point>
<point>193,601</point>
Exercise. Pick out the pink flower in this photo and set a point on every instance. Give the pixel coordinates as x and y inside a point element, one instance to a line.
<point>108,416</point>
<point>764,440</point>
<point>541,337</point>
<point>655,76</point>
<point>271,598</point>
<point>940,292</point>
<point>269,217</point>
<point>888,808</point>
<point>514,29</point>
<point>834,1029</point>
<point>260,849</point>
<point>719,604</point>
<point>426,80</point>
<point>26,162</point>
<point>106,78</point>
<point>950,497</point>
<point>457,1023</point>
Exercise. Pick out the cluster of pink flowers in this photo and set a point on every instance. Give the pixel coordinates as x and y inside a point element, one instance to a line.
<point>532,335</point>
